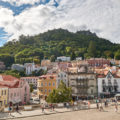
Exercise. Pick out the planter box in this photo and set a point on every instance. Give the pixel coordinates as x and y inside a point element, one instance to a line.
<point>27,108</point>
<point>6,109</point>
<point>60,105</point>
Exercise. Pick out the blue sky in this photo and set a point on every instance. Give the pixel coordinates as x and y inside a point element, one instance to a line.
<point>16,10</point>
<point>31,17</point>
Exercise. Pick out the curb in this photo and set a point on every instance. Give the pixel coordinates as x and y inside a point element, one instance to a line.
<point>42,114</point>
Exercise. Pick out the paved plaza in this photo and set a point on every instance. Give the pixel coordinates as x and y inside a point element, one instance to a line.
<point>92,114</point>
<point>65,114</point>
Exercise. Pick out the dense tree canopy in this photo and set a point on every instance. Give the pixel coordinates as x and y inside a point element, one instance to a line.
<point>56,43</point>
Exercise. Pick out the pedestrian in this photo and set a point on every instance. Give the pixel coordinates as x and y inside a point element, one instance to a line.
<point>116,106</point>
<point>10,109</point>
<point>97,105</point>
<point>105,103</point>
<point>88,104</point>
<point>67,105</point>
<point>17,109</point>
<point>101,107</point>
<point>42,107</point>
<point>53,107</point>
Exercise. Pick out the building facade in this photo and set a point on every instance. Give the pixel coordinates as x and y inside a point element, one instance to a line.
<point>31,80</point>
<point>108,85</point>
<point>98,62</point>
<point>29,68</point>
<point>17,67</point>
<point>63,58</point>
<point>46,84</point>
<point>83,83</point>
<point>18,90</point>
<point>62,76</point>
<point>3,96</point>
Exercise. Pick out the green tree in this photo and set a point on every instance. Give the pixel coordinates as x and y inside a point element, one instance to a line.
<point>7,59</point>
<point>92,49</point>
<point>31,88</point>
<point>62,94</point>
<point>117,55</point>
<point>73,56</point>
<point>52,58</point>
<point>109,54</point>
<point>14,73</point>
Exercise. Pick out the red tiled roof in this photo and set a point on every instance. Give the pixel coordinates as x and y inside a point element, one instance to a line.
<point>9,81</point>
<point>8,78</point>
<point>28,77</point>
<point>3,86</point>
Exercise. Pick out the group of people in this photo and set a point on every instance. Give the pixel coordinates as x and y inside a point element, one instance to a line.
<point>16,108</point>
<point>100,102</point>
<point>43,106</point>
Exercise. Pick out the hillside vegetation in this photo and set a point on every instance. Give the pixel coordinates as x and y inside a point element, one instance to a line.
<point>55,43</point>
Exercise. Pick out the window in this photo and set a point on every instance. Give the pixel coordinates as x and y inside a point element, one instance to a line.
<point>45,91</point>
<point>14,94</point>
<point>41,84</point>
<point>2,92</point>
<point>49,91</point>
<point>5,92</point>
<point>41,90</point>
<point>64,75</point>
<point>45,84</point>
<point>53,84</point>
<point>49,84</point>
<point>4,102</point>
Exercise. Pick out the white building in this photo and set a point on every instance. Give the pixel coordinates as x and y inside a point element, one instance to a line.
<point>62,76</point>
<point>17,67</point>
<point>108,85</point>
<point>31,80</point>
<point>63,58</point>
<point>79,58</point>
<point>30,67</point>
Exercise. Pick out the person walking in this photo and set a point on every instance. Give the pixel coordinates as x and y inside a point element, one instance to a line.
<point>53,107</point>
<point>101,106</point>
<point>116,106</point>
<point>88,104</point>
<point>10,109</point>
<point>42,107</point>
<point>97,103</point>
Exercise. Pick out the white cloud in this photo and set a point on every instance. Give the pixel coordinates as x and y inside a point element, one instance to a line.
<point>102,17</point>
<point>21,2</point>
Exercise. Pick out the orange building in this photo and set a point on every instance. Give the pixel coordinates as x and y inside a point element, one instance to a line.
<point>46,84</point>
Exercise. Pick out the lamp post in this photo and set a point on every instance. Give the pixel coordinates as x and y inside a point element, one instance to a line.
<point>39,99</point>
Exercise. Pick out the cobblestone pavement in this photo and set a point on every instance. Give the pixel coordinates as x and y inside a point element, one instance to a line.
<point>92,114</point>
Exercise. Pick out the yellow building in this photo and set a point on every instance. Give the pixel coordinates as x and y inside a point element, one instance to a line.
<point>46,84</point>
<point>3,96</point>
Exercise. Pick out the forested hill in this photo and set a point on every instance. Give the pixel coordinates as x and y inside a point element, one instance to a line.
<point>55,43</point>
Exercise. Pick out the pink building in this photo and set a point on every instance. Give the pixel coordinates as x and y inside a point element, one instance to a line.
<point>31,80</point>
<point>98,62</point>
<point>19,90</point>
